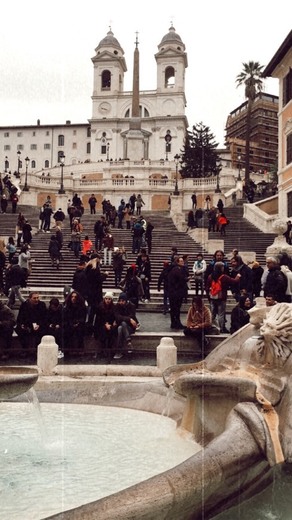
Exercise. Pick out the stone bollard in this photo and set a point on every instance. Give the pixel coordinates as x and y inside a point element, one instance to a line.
<point>47,357</point>
<point>166,353</point>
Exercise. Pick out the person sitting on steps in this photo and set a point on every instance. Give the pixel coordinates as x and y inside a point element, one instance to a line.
<point>199,321</point>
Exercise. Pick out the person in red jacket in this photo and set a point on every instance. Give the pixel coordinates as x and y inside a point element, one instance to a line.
<point>218,301</point>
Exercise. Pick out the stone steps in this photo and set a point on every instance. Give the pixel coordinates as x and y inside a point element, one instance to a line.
<point>143,343</point>
<point>240,234</point>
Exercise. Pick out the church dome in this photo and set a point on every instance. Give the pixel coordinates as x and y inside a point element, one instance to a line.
<point>171,38</point>
<point>110,41</point>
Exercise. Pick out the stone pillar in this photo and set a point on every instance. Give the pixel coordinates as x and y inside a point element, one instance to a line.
<point>166,353</point>
<point>47,357</point>
<point>61,202</point>
<point>280,245</point>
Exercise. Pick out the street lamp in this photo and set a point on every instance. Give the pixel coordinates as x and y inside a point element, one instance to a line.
<point>239,167</point>
<point>176,158</point>
<point>62,161</point>
<point>18,162</point>
<point>25,187</point>
<point>6,164</point>
<point>218,169</point>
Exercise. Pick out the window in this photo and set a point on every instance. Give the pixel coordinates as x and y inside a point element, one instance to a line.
<point>47,146</point>
<point>74,132</point>
<point>33,164</point>
<point>106,80</point>
<point>74,146</point>
<point>168,140</point>
<point>61,140</point>
<point>287,88</point>
<point>289,203</point>
<point>289,148</point>
<point>6,134</point>
<point>33,146</point>
<point>47,164</point>
<point>20,147</point>
<point>7,147</point>
<point>60,154</point>
<point>169,77</point>
<point>33,134</point>
<point>142,111</point>
<point>88,148</point>
<point>47,132</point>
<point>89,132</point>
<point>19,134</point>
<point>103,144</point>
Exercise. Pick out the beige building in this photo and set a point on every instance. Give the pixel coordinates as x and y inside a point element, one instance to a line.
<point>264,133</point>
<point>280,67</point>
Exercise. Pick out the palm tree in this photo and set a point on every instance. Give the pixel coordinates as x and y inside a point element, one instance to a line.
<point>251,78</point>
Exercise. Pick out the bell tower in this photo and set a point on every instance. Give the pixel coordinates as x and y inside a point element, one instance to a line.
<point>108,80</point>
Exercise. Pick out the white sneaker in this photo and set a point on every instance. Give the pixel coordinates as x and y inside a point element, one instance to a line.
<point>119,355</point>
<point>138,326</point>
<point>60,354</point>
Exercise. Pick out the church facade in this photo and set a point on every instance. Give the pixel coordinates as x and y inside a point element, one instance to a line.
<point>154,120</point>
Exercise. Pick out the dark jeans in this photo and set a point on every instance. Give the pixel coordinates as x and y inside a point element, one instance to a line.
<point>175,303</point>
<point>124,333</point>
<point>29,338</point>
<point>118,276</point>
<point>6,336</point>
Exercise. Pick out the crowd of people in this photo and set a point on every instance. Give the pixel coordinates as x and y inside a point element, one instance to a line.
<point>217,220</point>
<point>88,311</point>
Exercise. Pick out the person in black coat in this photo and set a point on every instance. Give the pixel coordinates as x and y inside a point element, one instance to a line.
<point>74,314</point>
<point>256,277</point>
<point>191,221</point>
<point>163,282</point>
<point>220,205</point>
<point>31,321</point>
<point>105,327</point>
<point>127,322</point>
<point>238,266</point>
<point>148,236</point>
<point>95,279</point>
<point>55,320</point>
<point>26,233</point>
<point>15,278</point>
<point>239,314</point>
<point>276,282</point>
<point>80,279</point>
<point>54,252</point>
<point>177,288</point>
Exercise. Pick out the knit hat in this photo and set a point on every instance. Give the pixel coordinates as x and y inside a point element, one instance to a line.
<point>109,295</point>
<point>123,296</point>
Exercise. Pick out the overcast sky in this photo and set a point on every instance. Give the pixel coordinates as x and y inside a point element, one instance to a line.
<point>46,49</point>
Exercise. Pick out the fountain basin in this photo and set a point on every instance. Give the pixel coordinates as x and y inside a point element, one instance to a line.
<point>204,482</point>
<point>16,380</point>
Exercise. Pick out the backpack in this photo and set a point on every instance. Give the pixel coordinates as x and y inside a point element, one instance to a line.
<point>215,291</point>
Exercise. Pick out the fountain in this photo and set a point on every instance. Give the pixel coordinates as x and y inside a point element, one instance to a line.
<point>236,404</point>
<point>16,380</point>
